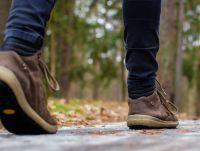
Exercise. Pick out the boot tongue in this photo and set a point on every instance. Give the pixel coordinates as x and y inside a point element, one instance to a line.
<point>168,104</point>
<point>52,82</point>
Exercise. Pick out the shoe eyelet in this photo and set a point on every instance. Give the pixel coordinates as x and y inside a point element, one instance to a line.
<point>24,66</point>
<point>152,103</point>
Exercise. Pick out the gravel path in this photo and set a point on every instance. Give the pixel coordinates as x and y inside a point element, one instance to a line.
<point>108,137</point>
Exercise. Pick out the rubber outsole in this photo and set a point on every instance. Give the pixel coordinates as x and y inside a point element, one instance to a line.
<point>16,114</point>
<point>149,122</point>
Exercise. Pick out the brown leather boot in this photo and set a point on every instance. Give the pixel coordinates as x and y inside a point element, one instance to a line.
<point>23,102</point>
<point>154,111</point>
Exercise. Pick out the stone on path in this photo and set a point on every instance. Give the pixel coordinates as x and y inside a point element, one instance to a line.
<point>108,137</point>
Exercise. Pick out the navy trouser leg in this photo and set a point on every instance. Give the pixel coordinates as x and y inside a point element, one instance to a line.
<point>25,28</point>
<point>141,36</point>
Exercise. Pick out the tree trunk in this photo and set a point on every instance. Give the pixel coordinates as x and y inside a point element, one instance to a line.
<point>53,54</point>
<point>167,55</point>
<point>95,92</point>
<point>64,76</point>
<point>123,77</point>
<point>4,9</point>
<point>65,47</point>
<point>197,105</point>
<point>179,55</point>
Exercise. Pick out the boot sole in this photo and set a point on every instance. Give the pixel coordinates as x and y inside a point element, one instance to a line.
<point>16,115</point>
<point>149,122</point>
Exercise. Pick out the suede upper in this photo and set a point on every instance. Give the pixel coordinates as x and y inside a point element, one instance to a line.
<point>152,106</point>
<point>28,72</point>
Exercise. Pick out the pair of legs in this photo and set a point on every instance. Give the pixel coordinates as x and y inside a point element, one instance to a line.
<point>26,24</point>
<point>24,35</point>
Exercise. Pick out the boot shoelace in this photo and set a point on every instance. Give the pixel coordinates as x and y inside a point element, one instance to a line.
<point>52,82</point>
<point>168,104</point>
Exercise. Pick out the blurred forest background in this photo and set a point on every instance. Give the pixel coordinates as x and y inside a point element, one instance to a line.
<point>84,49</point>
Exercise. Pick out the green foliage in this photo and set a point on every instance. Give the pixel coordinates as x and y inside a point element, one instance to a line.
<point>93,31</point>
<point>191,39</point>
